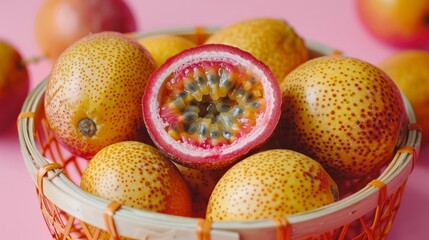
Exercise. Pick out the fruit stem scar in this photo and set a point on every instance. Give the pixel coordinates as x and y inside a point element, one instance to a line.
<point>87,127</point>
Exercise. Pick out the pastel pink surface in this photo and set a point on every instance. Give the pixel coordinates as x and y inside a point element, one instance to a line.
<point>334,23</point>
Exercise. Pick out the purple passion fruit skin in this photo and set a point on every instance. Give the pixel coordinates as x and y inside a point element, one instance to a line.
<point>209,105</point>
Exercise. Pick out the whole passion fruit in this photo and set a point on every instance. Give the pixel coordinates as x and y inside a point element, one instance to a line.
<point>60,23</point>
<point>93,95</point>
<point>209,105</point>
<point>343,112</point>
<point>271,184</point>
<point>14,84</point>
<point>136,175</point>
<point>271,40</point>
<point>157,184</point>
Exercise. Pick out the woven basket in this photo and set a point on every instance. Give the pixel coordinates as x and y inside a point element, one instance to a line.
<point>367,213</point>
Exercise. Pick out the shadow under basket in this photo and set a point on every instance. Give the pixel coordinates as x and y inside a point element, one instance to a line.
<point>70,213</point>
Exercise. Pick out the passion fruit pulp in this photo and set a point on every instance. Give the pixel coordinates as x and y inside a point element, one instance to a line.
<point>209,105</point>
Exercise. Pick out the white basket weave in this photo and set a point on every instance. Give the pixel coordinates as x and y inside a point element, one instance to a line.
<point>366,214</point>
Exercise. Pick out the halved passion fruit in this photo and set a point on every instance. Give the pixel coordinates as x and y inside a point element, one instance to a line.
<point>209,105</point>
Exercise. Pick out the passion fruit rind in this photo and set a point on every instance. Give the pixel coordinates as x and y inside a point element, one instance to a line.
<point>209,105</point>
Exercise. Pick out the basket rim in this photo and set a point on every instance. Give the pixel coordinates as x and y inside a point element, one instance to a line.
<point>69,197</point>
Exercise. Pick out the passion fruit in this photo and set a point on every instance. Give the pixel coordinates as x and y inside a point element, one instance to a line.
<point>409,69</point>
<point>272,40</point>
<point>93,95</point>
<point>60,23</point>
<point>14,84</point>
<point>343,112</point>
<point>135,174</point>
<point>162,47</point>
<point>157,183</point>
<point>209,105</point>
<point>271,184</point>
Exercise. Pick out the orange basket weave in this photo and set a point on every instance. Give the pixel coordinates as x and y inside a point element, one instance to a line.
<point>367,213</point>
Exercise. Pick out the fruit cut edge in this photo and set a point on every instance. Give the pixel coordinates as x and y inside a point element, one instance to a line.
<point>265,123</point>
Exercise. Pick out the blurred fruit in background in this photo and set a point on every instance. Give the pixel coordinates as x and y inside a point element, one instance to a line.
<point>59,23</point>
<point>14,84</point>
<point>410,71</point>
<point>162,47</point>
<point>400,23</point>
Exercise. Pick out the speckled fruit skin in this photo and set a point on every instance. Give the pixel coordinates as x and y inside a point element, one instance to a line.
<point>14,84</point>
<point>101,77</point>
<point>271,184</point>
<point>201,184</point>
<point>272,41</point>
<point>343,112</point>
<point>214,158</point>
<point>137,175</point>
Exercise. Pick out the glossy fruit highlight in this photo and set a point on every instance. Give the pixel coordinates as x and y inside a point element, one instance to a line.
<point>93,95</point>
<point>14,84</point>
<point>211,104</point>
<point>343,112</point>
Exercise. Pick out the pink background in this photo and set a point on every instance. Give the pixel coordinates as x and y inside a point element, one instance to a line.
<point>334,23</point>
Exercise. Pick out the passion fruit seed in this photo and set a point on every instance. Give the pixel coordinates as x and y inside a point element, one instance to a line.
<point>87,127</point>
<point>211,104</point>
